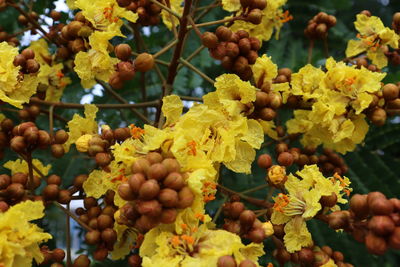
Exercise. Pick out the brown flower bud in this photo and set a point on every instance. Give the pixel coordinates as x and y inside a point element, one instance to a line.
<point>150,208</point>
<point>174,180</point>
<point>81,261</point>
<point>124,3</point>
<point>172,165</point>
<point>331,21</point>
<point>144,62</point>
<point>50,192</point>
<point>154,157</point>
<point>140,166</point>
<point>79,180</point>
<point>328,201</point>
<point>285,159</point>
<point>57,150</point>
<point>252,57</point>
<point>247,263</point>
<point>186,197</point>
<point>223,33</point>
<point>100,254</point>
<point>306,256</point>
<point>15,191</point>
<point>19,178</point>
<point>28,53</point>
<point>123,52</point>
<point>5,181</point>
<point>134,261</point>
<point>4,206</point>
<point>44,139</point>
<point>255,16</point>
<point>145,223</point>
<point>104,221</point>
<point>103,159</point>
<point>394,239</point>
<point>157,171</point>
<point>338,220</point>
<point>235,209</point>
<point>94,212</point>
<point>267,114</point>
<point>17,144</point>
<point>136,181</point>
<point>247,218</point>
<point>390,91</point>
<point>19,60</point>
<point>255,43</point>
<point>77,45</point>
<point>168,198</point>
<point>381,225</point>
<point>61,137</point>
<point>282,256</point>
<point>7,125</point>
<point>54,179</point>
<point>232,226</point>
<point>209,40</point>
<point>168,216</point>
<point>121,134</point>
<point>64,197</point>
<point>264,161</point>
<point>275,100</point>
<point>359,205</point>
<point>260,4</point>
<point>375,244</point>
<point>232,50</point>
<point>115,81</point>
<point>125,192</point>
<point>244,3</point>
<point>321,30</point>
<point>396,18</point>
<point>244,46</point>
<point>149,190</point>
<point>256,235</point>
<point>74,27</point>
<point>381,206</point>
<point>126,70</point>
<point>32,66</point>
<point>55,15</point>
<point>23,114</point>
<point>226,261</point>
<point>262,99</point>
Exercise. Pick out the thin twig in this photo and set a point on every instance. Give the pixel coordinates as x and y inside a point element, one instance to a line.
<point>310,50</point>
<point>51,120</point>
<point>196,29</point>
<point>191,98</point>
<point>251,200</point>
<point>30,170</point>
<point>220,21</point>
<point>68,239</point>
<point>73,216</point>
<point>165,49</point>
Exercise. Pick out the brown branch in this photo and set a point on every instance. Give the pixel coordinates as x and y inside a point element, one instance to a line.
<point>68,238</point>
<point>251,200</point>
<point>73,216</point>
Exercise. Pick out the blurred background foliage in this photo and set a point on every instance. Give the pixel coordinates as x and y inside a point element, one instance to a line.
<point>374,166</point>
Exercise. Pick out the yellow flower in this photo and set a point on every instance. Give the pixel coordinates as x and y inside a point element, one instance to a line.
<point>306,82</point>
<point>302,203</point>
<point>231,5</point>
<point>374,38</point>
<point>170,20</point>
<point>50,77</point>
<point>79,126</point>
<point>196,245</point>
<point>125,239</point>
<point>96,63</point>
<point>273,19</point>
<point>15,88</point>
<point>276,174</point>
<point>20,239</point>
<point>172,108</point>
<point>20,165</point>
<point>105,14</point>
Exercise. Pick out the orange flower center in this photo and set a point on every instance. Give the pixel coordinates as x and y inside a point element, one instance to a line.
<point>285,17</point>
<point>209,190</point>
<point>136,132</point>
<point>108,14</point>
<point>343,183</point>
<point>192,148</point>
<point>281,202</point>
<point>372,41</point>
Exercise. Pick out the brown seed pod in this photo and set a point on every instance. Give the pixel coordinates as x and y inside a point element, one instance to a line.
<point>168,198</point>
<point>174,180</point>
<point>149,190</point>
<point>144,62</point>
<point>168,216</point>
<point>186,197</point>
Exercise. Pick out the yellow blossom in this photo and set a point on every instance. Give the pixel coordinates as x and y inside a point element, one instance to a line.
<point>172,108</point>
<point>170,20</point>
<point>95,63</point>
<point>306,82</point>
<point>15,88</point>
<point>20,165</point>
<point>374,38</point>
<point>20,239</point>
<point>273,19</point>
<point>105,14</point>
<point>79,126</point>
<point>231,5</point>
<point>162,245</point>
<point>302,203</point>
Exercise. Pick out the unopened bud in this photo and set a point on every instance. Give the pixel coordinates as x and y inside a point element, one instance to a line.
<point>168,198</point>
<point>186,197</point>
<point>144,62</point>
<point>223,33</point>
<point>226,261</point>
<point>375,244</point>
<point>255,16</point>
<point>209,40</point>
<point>149,190</point>
<point>151,208</point>
<point>174,180</point>
<point>123,52</point>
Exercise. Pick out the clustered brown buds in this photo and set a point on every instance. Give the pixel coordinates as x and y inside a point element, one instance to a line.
<point>229,261</point>
<point>252,10</point>
<point>156,189</point>
<point>383,101</point>
<point>396,22</point>
<point>311,256</point>
<point>100,218</point>
<point>242,221</point>
<point>372,219</point>
<point>237,51</point>
<point>319,25</point>
<point>26,60</point>
<point>56,255</point>
<point>148,12</point>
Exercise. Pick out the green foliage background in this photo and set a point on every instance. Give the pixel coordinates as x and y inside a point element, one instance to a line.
<point>373,166</point>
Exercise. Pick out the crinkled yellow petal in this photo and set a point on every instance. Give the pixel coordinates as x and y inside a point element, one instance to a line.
<point>172,108</point>
<point>20,165</point>
<point>296,235</point>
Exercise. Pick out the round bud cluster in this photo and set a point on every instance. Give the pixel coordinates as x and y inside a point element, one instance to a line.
<point>13,188</point>
<point>29,113</point>
<point>72,37</point>
<point>148,12</point>
<point>311,256</point>
<point>330,163</point>
<point>237,51</point>
<point>156,189</point>
<point>252,10</point>
<point>363,62</point>
<point>229,261</point>
<point>101,221</point>
<point>56,255</point>
<point>5,37</point>
<point>396,22</point>
<point>319,25</point>
<point>383,102</point>
<point>27,137</point>
<point>53,192</point>
<point>243,222</point>
<point>373,219</point>
<point>26,60</point>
